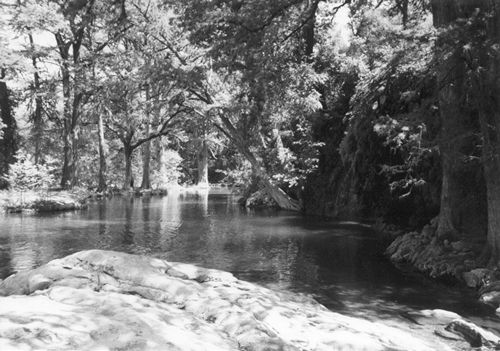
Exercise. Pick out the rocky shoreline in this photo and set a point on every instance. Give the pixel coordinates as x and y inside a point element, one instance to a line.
<point>444,259</point>
<point>110,300</point>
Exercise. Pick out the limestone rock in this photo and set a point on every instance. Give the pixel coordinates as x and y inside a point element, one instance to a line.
<point>475,277</point>
<point>491,298</point>
<point>442,332</point>
<point>476,336</point>
<point>433,317</point>
<point>109,300</point>
<point>427,254</point>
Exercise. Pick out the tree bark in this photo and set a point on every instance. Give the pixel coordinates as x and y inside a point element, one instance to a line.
<point>487,89</point>
<point>454,113</point>
<point>483,70</point>
<point>127,153</point>
<point>452,141</point>
<point>103,150</point>
<point>68,170</point>
<point>308,31</point>
<point>493,171</point>
<point>146,148</point>
<point>37,113</point>
<point>492,176</point>
<point>73,97</point>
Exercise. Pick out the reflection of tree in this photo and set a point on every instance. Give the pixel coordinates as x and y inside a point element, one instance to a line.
<point>128,233</point>
<point>146,217</point>
<point>23,255</point>
<point>203,194</point>
<point>103,228</point>
<point>32,250</point>
<point>170,219</point>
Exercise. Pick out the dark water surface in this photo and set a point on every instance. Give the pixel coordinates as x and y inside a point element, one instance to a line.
<point>341,265</point>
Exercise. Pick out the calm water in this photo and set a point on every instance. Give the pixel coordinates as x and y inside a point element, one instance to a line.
<point>341,265</point>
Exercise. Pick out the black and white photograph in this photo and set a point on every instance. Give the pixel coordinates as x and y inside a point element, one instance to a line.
<point>249,175</point>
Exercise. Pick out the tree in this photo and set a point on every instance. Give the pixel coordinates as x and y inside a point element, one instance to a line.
<point>8,142</point>
<point>9,62</point>
<point>128,118</point>
<point>469,76</point>
<point>265,48</point>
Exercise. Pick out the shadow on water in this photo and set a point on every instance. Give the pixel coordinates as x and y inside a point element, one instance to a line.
<point>340,264</point>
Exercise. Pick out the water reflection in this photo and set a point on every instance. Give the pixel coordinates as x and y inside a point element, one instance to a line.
<point>339,264</point>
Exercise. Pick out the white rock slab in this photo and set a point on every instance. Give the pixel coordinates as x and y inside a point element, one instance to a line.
<point>105,300</point>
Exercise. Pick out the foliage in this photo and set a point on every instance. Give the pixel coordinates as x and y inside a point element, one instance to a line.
<point>170,172</point>
<point>25,175</point>
<point>334,102</point>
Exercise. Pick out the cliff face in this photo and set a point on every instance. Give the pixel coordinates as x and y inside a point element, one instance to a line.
<point>382,157</point>
<point>350,184</point>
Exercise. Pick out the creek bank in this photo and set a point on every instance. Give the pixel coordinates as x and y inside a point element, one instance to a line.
<point>457,259</point>
<point>104,299</point>
<point>42,201</point>
<point>174,189</point>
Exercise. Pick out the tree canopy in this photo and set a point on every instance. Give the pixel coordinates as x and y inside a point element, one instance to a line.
<point>384,108</point>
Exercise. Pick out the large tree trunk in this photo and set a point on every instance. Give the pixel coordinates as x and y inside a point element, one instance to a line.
<point>37,113</point>
<point>454,113</point>
<point>483,71</point>
<point>103,150</point>
<point>453,139</point>
<point>308,30</point>
<point>493,171</point>
<point>146,149</point>
<point>282,199</point>
<point>488,103</point>
<point>203,164</point>
<point>69,138</point>
<point>146,165</point>
<point>492,176</point>
<point>8,145</point>
<point>73,96</point>
<point>157,144</point>
<point>127,153</point>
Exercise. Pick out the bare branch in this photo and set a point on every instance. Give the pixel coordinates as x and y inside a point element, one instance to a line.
<point>163,130</point>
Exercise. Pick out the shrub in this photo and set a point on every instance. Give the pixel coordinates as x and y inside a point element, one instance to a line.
<point>169,172</point>
<point>25,175</point>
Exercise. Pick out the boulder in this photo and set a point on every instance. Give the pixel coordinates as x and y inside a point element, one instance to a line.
<point>474,335</point>
<point>475,278</point>
<point>490,293</point>
<point>260,199</point>
<point>491,298</point>
<point>109,300</point>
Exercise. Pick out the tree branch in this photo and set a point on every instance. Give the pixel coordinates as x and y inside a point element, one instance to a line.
<point>311,15</point>
<point>161,132</point>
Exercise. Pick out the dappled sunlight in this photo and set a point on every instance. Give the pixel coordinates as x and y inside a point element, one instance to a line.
<point>130,301</point>
<point>67,318</point>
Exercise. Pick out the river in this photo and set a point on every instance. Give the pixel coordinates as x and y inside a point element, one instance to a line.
<point>340,264</point>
